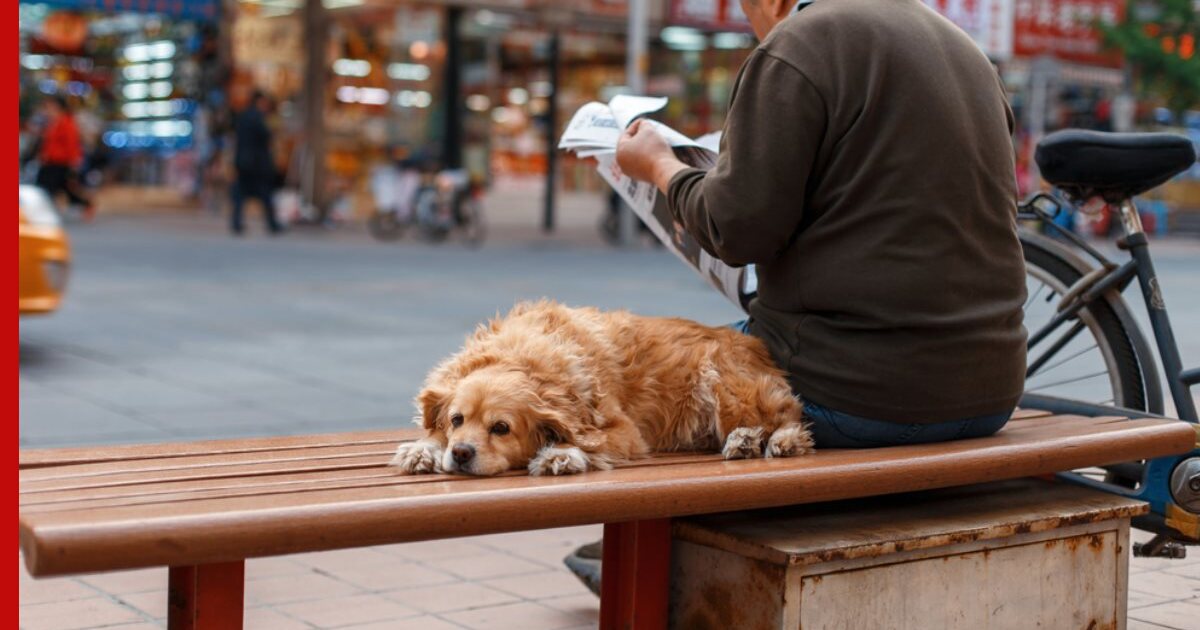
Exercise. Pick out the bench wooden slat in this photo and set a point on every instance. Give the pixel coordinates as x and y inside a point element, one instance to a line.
<point>207,472</point>
<point>231,528</point>
<point>40,458</point>
<point>216,487</point>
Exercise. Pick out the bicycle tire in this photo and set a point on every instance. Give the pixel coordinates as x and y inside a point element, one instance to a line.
<point>473,228</point>
<point>384,226</point>
<point>1123,365</point>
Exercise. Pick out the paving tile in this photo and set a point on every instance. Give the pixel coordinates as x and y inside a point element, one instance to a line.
<point>1142,565</point>
<point>549,556</point>
<point>1186,570</point>
<point>336,612</point>
<point>540,585</point>
<point>390,577</point>
<point>145,625</point>
<point>1138,599</point>
<point>268,619</point>
<point>258,568</point>
<point>1165,585</point>
<point>519,616</point>
<point>123,582</point>
<point>1136,624</point>
<point>53,590</point>
<point>1180,615</point>
<point>485,565</point>
<point>295,588</point>
<point>348,559</point>
<point>583,605</point>
<point>412,623</point>
<point>435,549</point>
<point>450,597</point>
<point>153,603</point>
<point>76,615</point>
<point>562,536</point>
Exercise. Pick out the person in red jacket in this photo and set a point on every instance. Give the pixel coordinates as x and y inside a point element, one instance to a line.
<point>61,154</point>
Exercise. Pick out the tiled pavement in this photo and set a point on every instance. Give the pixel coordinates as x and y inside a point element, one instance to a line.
<point>507,581</point>
<point>500,582</point>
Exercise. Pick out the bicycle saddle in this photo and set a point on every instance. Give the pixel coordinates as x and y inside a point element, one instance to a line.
<point>1113,166</point>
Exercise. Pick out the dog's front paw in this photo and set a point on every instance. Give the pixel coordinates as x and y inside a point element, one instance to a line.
<point>789,441</point>
<point>744,443</point>
<point>555,460</point>
<point>420,457</point>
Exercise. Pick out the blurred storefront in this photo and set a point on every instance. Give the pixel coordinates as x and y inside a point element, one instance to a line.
<point>386,98</point>
<point>140,75</point>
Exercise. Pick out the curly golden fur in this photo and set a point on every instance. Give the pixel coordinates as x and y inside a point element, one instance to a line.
<point>561,390</point>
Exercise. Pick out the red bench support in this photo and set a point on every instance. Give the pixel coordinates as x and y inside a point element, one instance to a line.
<point>206,597</point>
<point>636,575</point>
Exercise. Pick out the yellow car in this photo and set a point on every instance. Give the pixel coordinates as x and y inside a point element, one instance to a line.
<point>45,255</point>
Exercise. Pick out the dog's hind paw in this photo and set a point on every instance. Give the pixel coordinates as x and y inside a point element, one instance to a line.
<point>555,460</point>
<point>744,443</point>
<point>789,441</point>
<point>416,458</point>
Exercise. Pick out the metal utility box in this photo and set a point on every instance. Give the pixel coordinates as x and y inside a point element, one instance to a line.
<point>1016,554</point>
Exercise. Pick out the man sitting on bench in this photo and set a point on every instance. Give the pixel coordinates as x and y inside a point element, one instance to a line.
<point>867,170</point>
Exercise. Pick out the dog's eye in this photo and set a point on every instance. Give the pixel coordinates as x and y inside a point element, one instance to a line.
<point>500,428</point>
<point>456,420</point>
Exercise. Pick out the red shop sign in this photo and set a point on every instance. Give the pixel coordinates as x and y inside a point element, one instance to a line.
<point>714,15</point>
<point>1066,29</point>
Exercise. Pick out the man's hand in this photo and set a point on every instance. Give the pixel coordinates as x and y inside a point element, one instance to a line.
<point>643,154</point>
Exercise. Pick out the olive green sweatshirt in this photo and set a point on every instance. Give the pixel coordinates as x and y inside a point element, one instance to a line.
<point>867,170</point>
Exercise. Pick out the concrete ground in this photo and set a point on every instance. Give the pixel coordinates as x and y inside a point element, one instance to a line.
<point>172,330</point>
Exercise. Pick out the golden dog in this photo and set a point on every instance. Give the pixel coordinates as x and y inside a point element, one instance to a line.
<point>563,390</point>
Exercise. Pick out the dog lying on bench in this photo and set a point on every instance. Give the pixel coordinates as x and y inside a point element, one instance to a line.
<point>561,390</point>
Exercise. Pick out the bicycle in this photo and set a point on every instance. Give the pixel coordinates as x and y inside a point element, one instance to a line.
<point>1076,314</point>
<point>437,204</point>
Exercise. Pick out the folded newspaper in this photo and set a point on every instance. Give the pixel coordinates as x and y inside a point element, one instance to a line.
<point>593,133</point>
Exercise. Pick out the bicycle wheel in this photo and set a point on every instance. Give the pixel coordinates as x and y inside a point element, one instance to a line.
<point>384,226</point>
<point>473,229</point>
<point>1090,358</point>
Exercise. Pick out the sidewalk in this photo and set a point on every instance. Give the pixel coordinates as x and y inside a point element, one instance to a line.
<point>501,582</point>
<point>508,581</point>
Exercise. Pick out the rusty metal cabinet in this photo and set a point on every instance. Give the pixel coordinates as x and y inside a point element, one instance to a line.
<point>1019,554</point>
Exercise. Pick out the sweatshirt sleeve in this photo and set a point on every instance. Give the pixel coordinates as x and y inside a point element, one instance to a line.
<point>747,209</point>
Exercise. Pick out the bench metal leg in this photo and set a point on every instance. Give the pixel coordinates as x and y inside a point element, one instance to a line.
<point>206,596</point>
<point>636,573</point>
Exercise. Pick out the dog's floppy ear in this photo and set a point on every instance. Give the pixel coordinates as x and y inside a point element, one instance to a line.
<point>431,404</point>
<point>558,428</point>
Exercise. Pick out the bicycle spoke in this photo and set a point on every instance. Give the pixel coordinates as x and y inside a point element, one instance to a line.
<point>1067,381</point>
<point>1034,295</point>
<point>1073,356</point>
<point>1059,344</point>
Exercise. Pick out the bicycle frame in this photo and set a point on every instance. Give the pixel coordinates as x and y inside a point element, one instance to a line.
<point>1118,277</point>
<point>1166,517</point>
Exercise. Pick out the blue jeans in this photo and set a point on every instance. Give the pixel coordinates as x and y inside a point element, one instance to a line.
<point>836,429</point>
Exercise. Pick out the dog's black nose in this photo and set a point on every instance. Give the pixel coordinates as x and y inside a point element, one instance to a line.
<point>462,453</point>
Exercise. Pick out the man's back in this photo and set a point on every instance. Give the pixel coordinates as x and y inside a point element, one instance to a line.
<point>878,199</point>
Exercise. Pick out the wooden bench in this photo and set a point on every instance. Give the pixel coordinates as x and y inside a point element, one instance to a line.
<point>203,508</point>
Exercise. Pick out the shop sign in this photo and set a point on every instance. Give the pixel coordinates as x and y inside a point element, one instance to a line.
<point>1066,29</point>
<point>186,9</point>
<point>274,39</point>
<point>65,31</point>
<point>988,22</point>
<point>715,15</point>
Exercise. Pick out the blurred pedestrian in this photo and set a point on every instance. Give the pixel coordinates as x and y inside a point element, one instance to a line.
<point>61,154</point>
<point>256,172</point>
